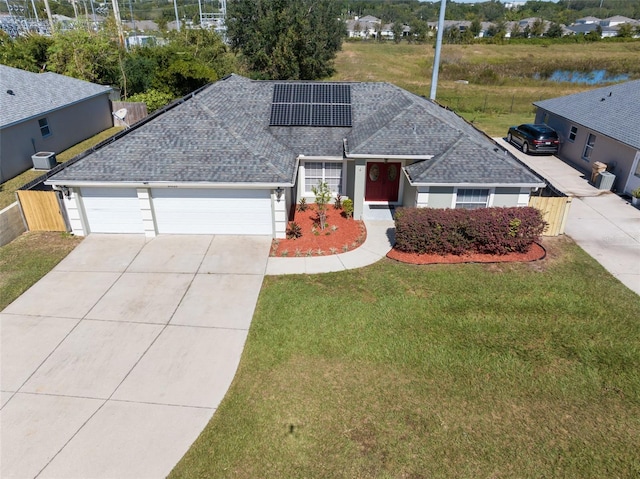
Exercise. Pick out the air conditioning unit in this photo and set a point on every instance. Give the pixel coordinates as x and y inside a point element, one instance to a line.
<point>44,160</point>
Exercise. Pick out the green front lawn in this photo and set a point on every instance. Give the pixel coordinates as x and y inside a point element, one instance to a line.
<point>394,371</point>
<point>28,258</point>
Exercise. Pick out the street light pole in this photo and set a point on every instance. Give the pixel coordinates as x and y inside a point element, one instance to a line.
<point>436,59</point>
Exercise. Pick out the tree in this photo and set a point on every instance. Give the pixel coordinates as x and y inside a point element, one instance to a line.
<point>27,53</point>
<point>625,30</point>
<point>397,29</point>
<point>476,27</point>
<point>286,39</point>
<point>555,30</point>
<point>537,29</point>
<point>89,56</point>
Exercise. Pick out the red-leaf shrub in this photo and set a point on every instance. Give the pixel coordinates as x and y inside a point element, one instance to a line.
<point>459,231</point>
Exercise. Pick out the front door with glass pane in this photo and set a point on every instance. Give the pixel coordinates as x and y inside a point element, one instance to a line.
<point>383,181</point>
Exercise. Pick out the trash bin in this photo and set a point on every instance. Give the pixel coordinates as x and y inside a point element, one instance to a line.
<point>605,180</point>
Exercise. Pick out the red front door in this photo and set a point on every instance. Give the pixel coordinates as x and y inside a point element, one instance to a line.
<point>383,180</point>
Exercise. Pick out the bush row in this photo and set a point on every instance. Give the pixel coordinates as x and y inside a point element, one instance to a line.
<point>459,231</point>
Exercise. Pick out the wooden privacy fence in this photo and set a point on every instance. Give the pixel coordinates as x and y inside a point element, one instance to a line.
<point>42,210</point>
<point>135,112</point>
<point>555,210</point>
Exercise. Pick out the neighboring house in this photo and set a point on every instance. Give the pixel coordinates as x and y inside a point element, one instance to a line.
<point>235,157</point>
<point>599,125</point>
<point>617,20</point>
<point>588,20</point>
<point>46,112</point>
<point>585,28</point>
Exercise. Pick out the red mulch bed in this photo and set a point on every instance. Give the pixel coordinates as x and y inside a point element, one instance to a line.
<point>536,252</point>
<point>340,236</point>
<point>344,234</point>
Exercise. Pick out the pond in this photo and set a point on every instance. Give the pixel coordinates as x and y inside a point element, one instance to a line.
<point>594,77</point>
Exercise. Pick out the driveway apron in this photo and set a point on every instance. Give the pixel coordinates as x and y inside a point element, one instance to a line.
<point>602,223</point>
<point>114,362</point>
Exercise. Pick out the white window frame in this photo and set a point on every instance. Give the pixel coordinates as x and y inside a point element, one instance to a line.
<point>588,147</point>
<point>490,196</point>
<point>573,133</point>
<point>43,124</point>
<point>324,163</point>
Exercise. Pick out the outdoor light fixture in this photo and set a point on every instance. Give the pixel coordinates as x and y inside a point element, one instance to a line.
<point>279,192</point>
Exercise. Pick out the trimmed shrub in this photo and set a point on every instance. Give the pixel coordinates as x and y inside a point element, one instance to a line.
<point>459,231</point>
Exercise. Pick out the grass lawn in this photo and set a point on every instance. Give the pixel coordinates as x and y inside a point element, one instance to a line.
<point>504,80</point>
<point>8,188</point>
<point>460,371</point>
<point>28,258</point>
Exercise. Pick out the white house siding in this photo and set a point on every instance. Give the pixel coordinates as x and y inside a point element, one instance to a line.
<point>74,212</point>
<point>68,126</point>
<point>212,211</point>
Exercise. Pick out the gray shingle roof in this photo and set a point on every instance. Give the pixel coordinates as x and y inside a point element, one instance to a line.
<point>613,111</point>
<point>36,94</point>
<point>222,135</point>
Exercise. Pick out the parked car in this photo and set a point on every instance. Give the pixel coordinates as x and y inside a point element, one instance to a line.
<point>534,138</point>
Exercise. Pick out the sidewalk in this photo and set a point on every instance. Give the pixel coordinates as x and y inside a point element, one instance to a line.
<point>380,239</point>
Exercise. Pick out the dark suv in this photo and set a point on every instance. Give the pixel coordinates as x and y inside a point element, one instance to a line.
<point>534,138</point>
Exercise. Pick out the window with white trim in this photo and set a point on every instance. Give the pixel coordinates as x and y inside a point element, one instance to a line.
<point>573,133</point>
<point>316,172</point>
<point>588,148</point>
<point>44,127</point>
<point>471,199</point>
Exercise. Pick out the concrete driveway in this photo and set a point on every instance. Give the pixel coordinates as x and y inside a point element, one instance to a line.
<point>602,223</point>
<point>114,362</point>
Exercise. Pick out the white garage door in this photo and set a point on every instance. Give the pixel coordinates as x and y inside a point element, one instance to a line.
<point>112,210</point>
<point>209,211</point>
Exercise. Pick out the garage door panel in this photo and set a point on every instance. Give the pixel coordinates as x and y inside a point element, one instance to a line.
<point>112,210</point>
<point>202,211</point>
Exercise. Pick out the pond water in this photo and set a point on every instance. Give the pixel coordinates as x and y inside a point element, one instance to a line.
<point>594,77</point>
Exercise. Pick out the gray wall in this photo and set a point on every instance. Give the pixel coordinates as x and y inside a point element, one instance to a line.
<point>506,197</point>
<point>68,126</point>
<point>618,156</point>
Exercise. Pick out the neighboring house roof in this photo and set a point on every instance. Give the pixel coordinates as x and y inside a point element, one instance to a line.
<point>588,20</point>
<point>36,94</point>
<point>369,18</point>
<point>222,135</point>
<point>612,111</point>
<point>592,27</point>
<point>617,20</point>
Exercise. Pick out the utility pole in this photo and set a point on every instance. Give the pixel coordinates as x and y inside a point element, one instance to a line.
<point>49,16</point>
<point>33,4</point>
<point>436,59</point>
<point>175,6</point>
<point>116,14</point>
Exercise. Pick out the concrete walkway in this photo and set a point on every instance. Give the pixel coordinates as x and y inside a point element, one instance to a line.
<point>605,225</point>
<point>380,239</point>
<point>114,362</point>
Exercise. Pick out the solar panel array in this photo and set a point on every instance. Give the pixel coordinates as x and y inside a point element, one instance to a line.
<point>311,104</point>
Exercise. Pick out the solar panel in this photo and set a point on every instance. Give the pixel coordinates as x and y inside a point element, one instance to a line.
<point>311,104</point>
